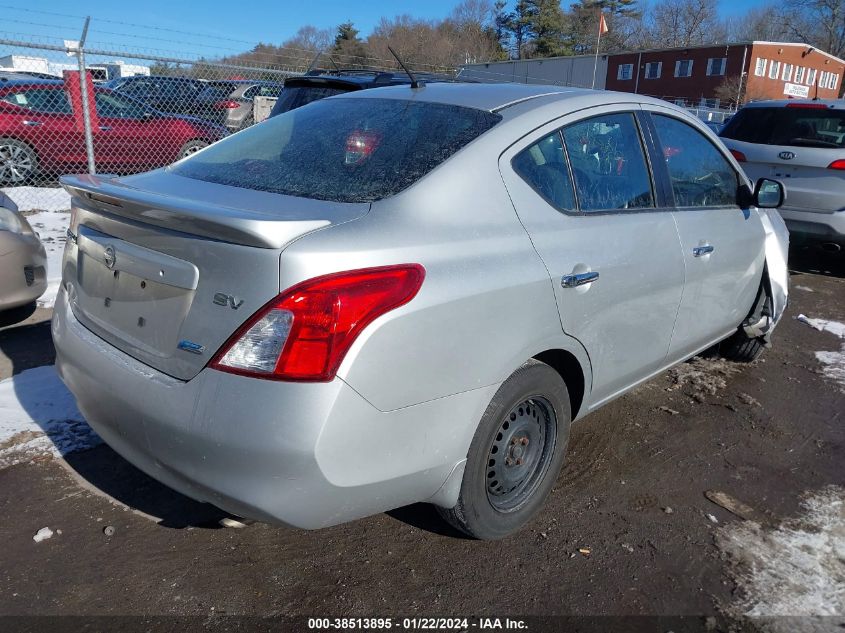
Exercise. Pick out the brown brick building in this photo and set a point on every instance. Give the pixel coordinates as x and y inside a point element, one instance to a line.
<point>769,70</point>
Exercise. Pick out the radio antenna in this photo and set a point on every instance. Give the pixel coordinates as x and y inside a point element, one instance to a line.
<point>415,83</point>
<point>314,62</point>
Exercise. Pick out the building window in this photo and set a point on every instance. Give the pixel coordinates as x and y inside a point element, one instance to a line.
<point>716,65</point>
<point>683,68</point>
<point>834,79</point>
<point>652,70</point>
<point>799,74</point>
<point>760,67</point>
<point>787,72</point>
<point>774,69</point>
<point>626,71</point>
<point>811,76</point>
<point>823,79</point>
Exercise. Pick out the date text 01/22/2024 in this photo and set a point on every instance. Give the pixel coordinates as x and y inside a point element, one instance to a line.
<point>408,624</point>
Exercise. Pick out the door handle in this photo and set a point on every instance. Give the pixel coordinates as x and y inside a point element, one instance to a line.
<point>578,279</point>
<point>32,123</point>
<point>704,249</point>
<point>104,128</point>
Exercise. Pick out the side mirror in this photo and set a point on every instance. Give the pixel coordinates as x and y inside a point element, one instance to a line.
<point>768,194</point>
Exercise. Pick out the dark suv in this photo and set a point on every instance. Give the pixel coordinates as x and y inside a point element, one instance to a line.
<point>167,94</point>
<point>319,84</point>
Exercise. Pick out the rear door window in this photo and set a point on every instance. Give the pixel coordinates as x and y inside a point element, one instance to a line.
<point>608,163</point>
<point>344,150</point>
<point>811,125</point>
<point>53,101</point>
<point>701,176</point>
<point>543,166</point>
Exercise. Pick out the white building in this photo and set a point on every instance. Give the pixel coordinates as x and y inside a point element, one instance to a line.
<point>100,72</point>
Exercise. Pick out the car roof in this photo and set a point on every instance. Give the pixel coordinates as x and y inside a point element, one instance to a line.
<point>836,104</point>
<point>31,81</point>
<point>486,96</point>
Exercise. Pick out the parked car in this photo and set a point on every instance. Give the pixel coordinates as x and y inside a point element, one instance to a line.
<point>403,295</point>
<point>7,74</point>
<point>230,102</point>
<point>802,143</point>
<point>173,95</point>
<point>23,261</point>
<point>39,135</point>
<point>319,84</point>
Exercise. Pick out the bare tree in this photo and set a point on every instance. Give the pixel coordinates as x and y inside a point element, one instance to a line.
<point>820,23</point>
<point>734,91</point>
<point>679,23</point>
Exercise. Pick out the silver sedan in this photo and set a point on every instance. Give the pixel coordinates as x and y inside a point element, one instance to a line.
<point>408,294</point>
<point>23,262</point>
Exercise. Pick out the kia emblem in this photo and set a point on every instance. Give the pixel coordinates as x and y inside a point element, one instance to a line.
<point>786,155</point>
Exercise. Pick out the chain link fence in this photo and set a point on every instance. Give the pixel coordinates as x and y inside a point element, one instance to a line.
<point>128,111</point>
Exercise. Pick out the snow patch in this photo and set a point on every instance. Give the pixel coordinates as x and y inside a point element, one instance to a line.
<point>795,569</point>
<point>804,288</point>
<point>38,416</point>
<point>52,229</point>
<point>39,198</point>
<point>42,535</point>
<point>833,361</point>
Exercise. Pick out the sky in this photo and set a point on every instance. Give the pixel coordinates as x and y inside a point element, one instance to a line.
<point>214,27</point>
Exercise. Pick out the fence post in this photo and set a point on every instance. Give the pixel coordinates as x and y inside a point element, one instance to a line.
<point>83,87</point>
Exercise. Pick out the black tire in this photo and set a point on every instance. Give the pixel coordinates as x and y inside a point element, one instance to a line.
<point>535,401</point>
<point>18,163</point>
<point>740,348</point>
<point>191,147</point>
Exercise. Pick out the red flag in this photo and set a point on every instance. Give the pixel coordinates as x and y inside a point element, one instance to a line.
<point>602,25</point>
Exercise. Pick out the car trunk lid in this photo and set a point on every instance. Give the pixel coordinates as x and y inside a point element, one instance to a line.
<point>167,279</point>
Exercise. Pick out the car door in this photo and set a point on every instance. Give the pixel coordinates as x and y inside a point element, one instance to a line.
<point>128,137</point>
<point>45,121</point>
<point>582,188</point>
<point>723,245</point>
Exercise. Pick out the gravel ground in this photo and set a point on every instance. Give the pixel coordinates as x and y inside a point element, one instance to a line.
<point>628,529</point>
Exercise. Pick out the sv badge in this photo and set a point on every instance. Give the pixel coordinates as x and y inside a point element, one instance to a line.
<point>222,299</point>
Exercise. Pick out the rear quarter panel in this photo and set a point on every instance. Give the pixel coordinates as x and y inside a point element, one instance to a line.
<point>486,305</point>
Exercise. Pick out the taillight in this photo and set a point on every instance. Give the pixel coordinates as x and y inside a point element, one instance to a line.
<point>228,104</point>
<point>305,332</point>
<point>837,164</point>
<point>738,155</point>
<point>808,106</point>
<point>359,146</point>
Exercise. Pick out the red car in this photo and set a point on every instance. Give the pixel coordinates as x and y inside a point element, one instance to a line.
<point>40,136</point>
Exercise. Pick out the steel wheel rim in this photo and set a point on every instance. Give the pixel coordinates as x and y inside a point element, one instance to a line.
<point>520,453</point>
<point>16,164</point>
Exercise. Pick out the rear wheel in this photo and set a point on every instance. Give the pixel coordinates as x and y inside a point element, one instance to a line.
<point>192,147</point>
<point>18,162</point>
<point>515,456</point>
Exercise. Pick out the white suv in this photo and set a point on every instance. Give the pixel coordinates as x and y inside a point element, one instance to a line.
<point>802,144</point>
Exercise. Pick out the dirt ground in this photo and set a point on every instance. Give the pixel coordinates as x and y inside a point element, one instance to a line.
<point>625,532</point>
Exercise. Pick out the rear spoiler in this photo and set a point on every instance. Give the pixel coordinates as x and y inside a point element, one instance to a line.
<point>108,195</point>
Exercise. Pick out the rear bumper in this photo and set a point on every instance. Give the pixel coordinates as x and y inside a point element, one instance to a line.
<point>23,269</point>
<point>298,454</point>
<point>814,226</point>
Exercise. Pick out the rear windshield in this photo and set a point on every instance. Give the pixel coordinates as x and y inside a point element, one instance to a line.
<point>298,96</point>
<point>344,150</point>
<point>795,126</point>
<point>216,91</point>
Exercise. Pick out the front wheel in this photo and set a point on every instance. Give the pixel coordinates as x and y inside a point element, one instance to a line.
<point>515,455</point>
<point>192,147</point>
